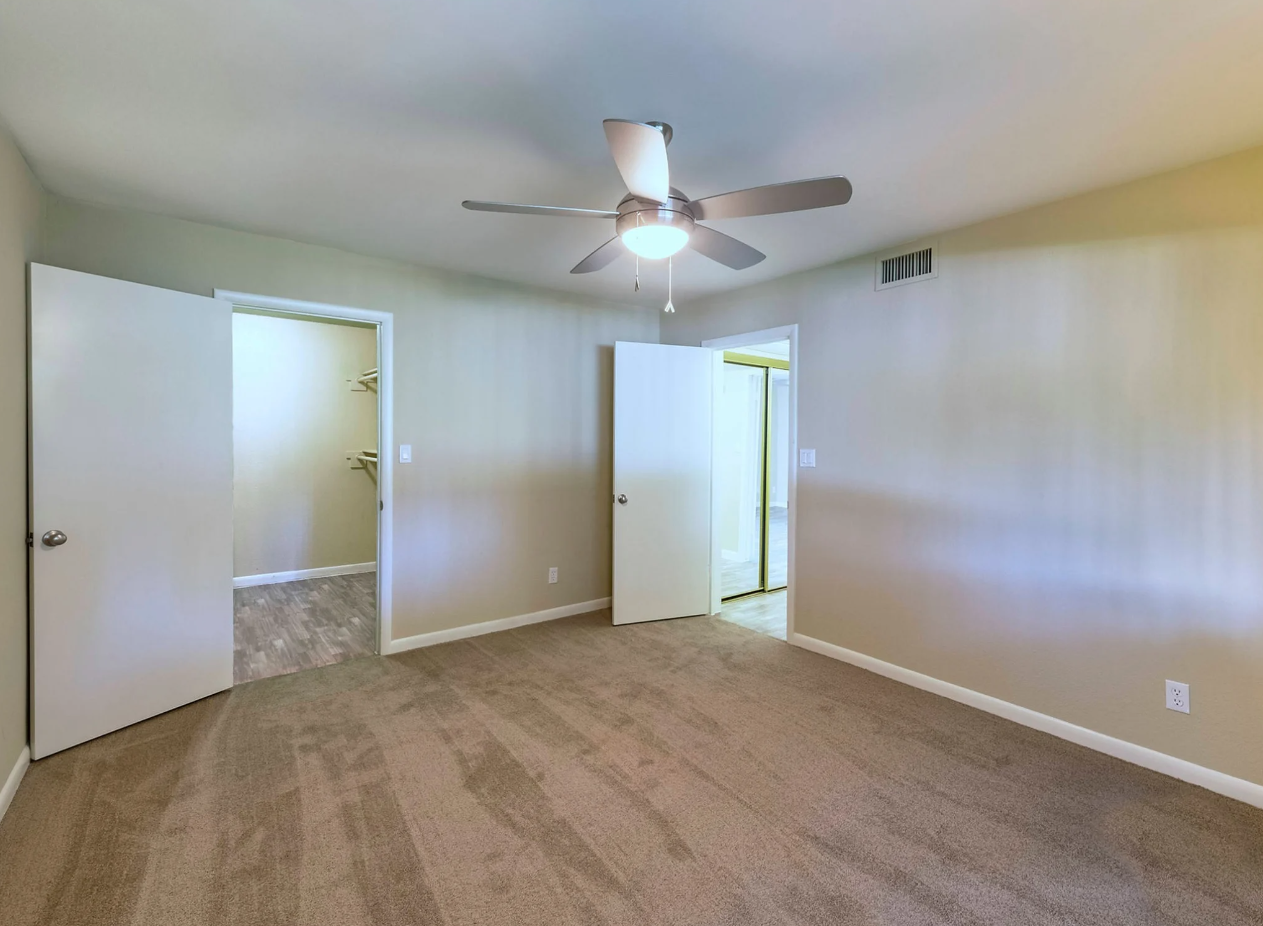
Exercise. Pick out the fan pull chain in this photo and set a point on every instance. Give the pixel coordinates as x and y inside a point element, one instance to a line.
<point>669,307</point>
<point>637,273</point>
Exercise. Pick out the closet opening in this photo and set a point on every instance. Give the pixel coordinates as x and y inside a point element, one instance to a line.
<point>306,491</point>
<point>751,477</point>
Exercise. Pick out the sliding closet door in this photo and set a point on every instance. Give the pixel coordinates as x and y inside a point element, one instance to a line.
<point>131,501</point>
<point>739,476</point>
<point>777,521</point>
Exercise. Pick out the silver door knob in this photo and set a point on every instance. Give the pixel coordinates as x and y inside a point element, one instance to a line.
<point>54,539</point>
<point>622,499</point>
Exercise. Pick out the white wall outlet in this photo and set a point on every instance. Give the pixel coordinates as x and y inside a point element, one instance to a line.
<point>1177,696</point>
<point>806,458</point>
<point>552,575</point>
<point>405,453</point>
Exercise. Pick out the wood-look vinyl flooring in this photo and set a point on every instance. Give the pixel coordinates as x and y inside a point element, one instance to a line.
<point>283,628</point>
<point>764,613</point>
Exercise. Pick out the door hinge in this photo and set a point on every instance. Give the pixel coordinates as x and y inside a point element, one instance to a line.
<point>30,540</point>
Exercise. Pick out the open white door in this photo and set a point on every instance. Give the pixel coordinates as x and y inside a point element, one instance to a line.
<point>131,503</point>
<point>662,474</point>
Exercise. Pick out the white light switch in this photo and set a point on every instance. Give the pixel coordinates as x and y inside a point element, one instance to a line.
<point>405,453</point>
<point>806,458</point>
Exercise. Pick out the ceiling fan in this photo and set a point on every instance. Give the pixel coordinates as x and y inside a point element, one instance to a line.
<point>655,220</point>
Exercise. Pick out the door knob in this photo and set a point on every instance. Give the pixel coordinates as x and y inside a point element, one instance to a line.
<point>622,499</point>
<point>54,539</point>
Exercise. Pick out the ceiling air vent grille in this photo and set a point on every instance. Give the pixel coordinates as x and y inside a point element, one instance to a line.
<point>907,267</point>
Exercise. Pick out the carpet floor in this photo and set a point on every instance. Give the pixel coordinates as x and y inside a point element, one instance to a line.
<point>685,772</point>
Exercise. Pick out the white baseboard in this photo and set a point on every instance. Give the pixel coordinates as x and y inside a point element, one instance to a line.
<point>1238,788</point>
<point>14,779</point>
<point>272,578</point>
<point>504,623</point>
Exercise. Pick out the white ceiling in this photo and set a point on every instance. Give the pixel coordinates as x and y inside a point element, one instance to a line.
<point>363,123</point>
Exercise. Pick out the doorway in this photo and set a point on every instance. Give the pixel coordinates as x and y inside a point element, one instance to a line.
<point>751,469</point>
<point>311,492</point>
<point>754,481</point>
<point>132,559</point>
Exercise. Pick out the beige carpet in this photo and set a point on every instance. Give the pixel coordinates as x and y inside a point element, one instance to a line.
<point>687,772</point>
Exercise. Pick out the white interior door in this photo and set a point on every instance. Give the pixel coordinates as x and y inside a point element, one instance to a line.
<point>131,460</point>
<point>662,481</point>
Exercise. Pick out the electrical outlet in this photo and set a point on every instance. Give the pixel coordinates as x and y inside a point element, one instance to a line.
<point>552,575</point>
<point>807,458</point>
<point>1177,696</point>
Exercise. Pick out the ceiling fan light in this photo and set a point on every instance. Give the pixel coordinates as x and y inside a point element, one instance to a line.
<point>654,242</point>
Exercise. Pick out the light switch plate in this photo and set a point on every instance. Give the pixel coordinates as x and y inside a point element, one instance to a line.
<point>806,458</point>
<point>405,453</point>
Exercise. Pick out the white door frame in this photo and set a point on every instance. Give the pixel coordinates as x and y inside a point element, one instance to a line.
<point>732,342</point>
<point>385,322</point>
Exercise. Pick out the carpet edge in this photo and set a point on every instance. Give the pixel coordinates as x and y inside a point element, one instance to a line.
<point>403,644</point>
<point>1240,789</point>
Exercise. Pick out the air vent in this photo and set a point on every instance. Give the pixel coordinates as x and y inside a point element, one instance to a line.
<point>906,267</point>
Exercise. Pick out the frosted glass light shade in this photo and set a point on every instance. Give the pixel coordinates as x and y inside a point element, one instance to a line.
<point>654,242</point>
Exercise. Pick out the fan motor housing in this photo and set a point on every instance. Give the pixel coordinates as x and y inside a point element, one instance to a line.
<point>633,212</point>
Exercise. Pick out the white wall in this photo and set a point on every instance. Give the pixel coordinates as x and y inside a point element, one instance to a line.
<point>297,503</point>
<point>1040,476</point>
<point>19,240</point>
<point>503,392</point>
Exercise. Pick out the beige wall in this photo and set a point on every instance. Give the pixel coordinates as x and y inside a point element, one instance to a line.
<point>504,394</point>
<point>1040,476</point>
<point>297,502</point>
<point>19,238</point>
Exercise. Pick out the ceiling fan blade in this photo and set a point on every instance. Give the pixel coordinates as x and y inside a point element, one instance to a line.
<point>719,247</point>
<point>777,197</point>
<point>563,211</point>
<point>640,152</point>
<point>602,256</point>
